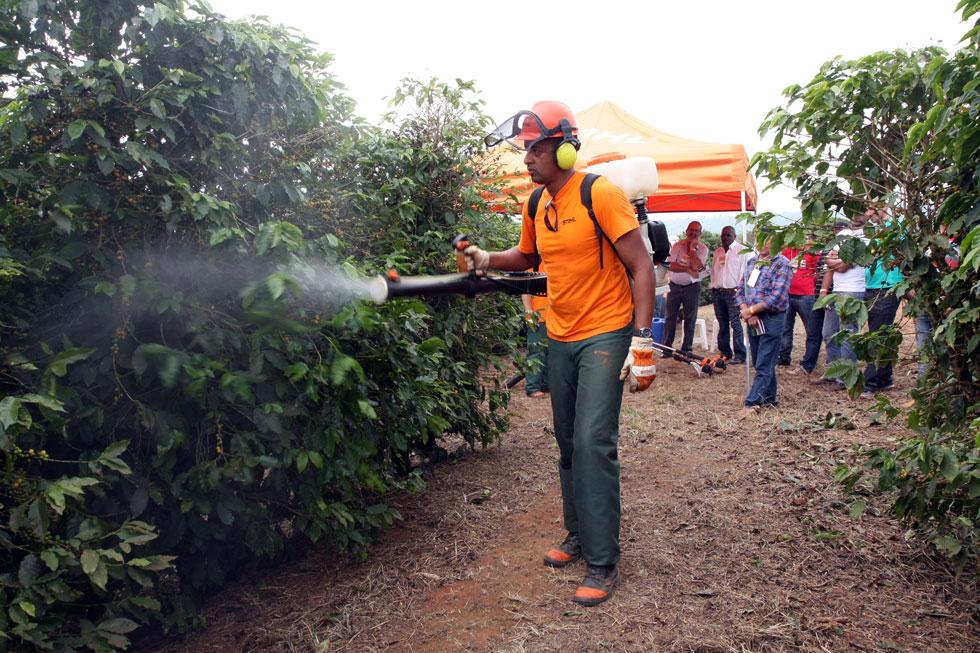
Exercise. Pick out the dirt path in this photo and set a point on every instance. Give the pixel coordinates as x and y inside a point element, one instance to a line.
<point>735,538</point>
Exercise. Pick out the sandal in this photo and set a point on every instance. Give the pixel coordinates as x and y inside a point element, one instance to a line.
<point>748,410</point>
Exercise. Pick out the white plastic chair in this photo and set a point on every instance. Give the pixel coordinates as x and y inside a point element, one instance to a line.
<point>701,333</point>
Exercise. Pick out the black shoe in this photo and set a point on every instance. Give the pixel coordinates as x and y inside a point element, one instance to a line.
<point>565,553</point>
<point>783,363</point>
<point>599,584</point>
<point>737,361</point>
<point>871,390</point>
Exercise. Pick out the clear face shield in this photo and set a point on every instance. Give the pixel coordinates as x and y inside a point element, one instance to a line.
<point>522,130</point>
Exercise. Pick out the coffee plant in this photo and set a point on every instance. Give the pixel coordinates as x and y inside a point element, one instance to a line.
<point>901,130</point>
<point>189,386</point>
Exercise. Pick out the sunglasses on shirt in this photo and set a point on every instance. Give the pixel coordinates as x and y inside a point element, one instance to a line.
<point>547,207</point>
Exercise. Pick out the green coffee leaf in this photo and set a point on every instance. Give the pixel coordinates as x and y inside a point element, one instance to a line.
<point>9,411</point>
<point>76,129</point>
<point>120,625</point>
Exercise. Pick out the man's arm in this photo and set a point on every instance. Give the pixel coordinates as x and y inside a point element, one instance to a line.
<point>634,254</point>
<point>512,260</point>
<point>699,260</point>
<point>828,281</point>
<point>675,264</point>
<point>835,264</point>
<point>781,274</point>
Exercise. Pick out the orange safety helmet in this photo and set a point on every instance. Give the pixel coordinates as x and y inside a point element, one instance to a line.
<point>546,119</point>
<point>554,119</point>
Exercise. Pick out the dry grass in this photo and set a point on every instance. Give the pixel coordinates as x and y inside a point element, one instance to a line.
<point>735,538</point>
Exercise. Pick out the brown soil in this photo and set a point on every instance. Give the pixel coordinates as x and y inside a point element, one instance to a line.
<point>735,537</point>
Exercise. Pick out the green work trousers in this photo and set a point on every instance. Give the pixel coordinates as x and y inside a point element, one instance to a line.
<point>536,377</point>
<point>586,395</point>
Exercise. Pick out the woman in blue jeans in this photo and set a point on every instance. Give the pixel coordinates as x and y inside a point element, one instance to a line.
<point>763,298</point>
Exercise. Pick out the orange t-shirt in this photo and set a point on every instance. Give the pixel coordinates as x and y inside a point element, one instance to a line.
<point>585,301</point>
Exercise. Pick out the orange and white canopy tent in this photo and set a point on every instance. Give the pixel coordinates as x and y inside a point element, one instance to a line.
<point>694,176</point>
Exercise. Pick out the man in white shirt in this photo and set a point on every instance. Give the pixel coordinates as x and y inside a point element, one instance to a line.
<point>727,270</point>
<point>688,264</point>
<point>846,280</point>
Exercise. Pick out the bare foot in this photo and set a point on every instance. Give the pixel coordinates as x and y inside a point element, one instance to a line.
<point>748,410</point>
<point>537,394</point>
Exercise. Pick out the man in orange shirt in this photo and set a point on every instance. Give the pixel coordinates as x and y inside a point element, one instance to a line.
<point>591,330</point>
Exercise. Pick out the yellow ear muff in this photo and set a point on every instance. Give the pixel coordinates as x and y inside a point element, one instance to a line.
<point>565,156</point>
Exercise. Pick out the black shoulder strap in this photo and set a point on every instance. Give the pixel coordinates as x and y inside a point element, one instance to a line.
<point>532,211</point>
<point>533,201</point>
<point>600,234</point>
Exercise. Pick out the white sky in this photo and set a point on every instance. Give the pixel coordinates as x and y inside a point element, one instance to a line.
<point>707,70</point>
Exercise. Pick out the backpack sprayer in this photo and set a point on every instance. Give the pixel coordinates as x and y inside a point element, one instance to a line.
<point>638,178</point>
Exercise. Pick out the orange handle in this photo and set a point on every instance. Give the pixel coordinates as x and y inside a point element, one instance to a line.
<point>460,242</point>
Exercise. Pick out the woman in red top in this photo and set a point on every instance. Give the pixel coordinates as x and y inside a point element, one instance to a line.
<point>802,296</point>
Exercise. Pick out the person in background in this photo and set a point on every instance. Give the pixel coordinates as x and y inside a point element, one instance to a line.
<point>814,329</point>
<point>882,302</point>
<point>727,270</point>
<point>763,298</point>
<point>847,280</point>
<point>923,334</point>
<point>819,314</point>
<point>599,329</point>
<point>688,261</point>
<point>923,323</point>
<point>660,305</point>
<point>536,377</point>
<point>802,296</point>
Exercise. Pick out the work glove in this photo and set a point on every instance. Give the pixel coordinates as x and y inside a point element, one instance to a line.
<point>639,370</point>
<point>476,258</point>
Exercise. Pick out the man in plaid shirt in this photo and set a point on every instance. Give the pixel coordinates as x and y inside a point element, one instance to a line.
<point>763,297</point>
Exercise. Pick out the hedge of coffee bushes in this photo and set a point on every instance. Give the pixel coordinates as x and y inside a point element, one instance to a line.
<point>190,384</point>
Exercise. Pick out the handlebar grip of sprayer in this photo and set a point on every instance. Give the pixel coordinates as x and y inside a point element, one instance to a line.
<point>460,242</point>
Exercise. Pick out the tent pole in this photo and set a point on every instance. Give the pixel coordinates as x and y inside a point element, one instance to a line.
<point>745,229</point>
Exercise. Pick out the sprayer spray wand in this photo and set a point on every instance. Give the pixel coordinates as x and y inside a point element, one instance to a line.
<point>470,284</point>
